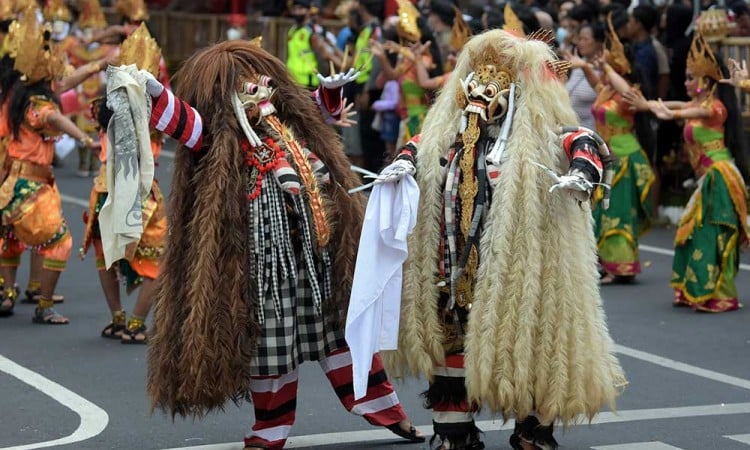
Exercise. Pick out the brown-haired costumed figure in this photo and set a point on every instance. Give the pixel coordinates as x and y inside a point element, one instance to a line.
<point>261,246</point>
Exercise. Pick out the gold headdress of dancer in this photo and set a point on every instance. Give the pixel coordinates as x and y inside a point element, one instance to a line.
<point>701,60</point>
<point>512,24</point>
<point>141,49</point>
<point>132,9</point>
<point>616,57</point>
<point>36,56</point>
<point>407,27</point>
<point>57,10</point>
<point>91,15</point>
<point>460,32</point>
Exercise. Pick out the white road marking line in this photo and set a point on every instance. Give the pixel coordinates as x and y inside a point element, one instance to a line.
<point>670,252</point>
<point>744,438</point>
<point>631,415</point>
<point>93,419</point>
<point>682,367</point>
<point>654,445</point>
<point>167,154</point>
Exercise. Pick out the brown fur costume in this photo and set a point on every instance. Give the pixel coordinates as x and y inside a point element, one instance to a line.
<point>205,331</point>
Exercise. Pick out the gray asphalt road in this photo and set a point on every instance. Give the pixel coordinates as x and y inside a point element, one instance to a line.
<point>689,375</point>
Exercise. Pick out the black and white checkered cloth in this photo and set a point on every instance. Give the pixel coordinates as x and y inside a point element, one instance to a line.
<point>299,335</point>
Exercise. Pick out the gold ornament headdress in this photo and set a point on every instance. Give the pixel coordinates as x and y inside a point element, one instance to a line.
<point>701,60</point>
<point>57,10</point>
<point>91,15</point>
<point>132,9</point>
<point>407,27</point>
<point>616,57</point>
<point>257,41</point>
<point>512,24</point>
<point>714,24</point>
<point>487,66</point>
<point>36,56</point>
<point>460,32</point>
<point>141,49</point>
<point>20,6</point>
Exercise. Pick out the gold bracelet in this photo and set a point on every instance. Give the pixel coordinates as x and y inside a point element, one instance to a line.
<point>745,85</point>
<point>677,115</point>
<point>87,141</point>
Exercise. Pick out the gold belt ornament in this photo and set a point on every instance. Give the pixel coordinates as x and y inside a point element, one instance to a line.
<point>322,229</point>
<point>21,169</point>
<point>712,145</point>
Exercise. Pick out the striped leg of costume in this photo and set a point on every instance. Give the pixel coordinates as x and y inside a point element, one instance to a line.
<point>275,399</point>
<point>275,402</point>
<point>380,405</point>
<point>452,416</point>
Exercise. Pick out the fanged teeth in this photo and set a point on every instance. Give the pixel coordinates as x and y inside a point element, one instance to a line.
<point>472,108</point>
<point>267,108</point>
<point>476,109</point>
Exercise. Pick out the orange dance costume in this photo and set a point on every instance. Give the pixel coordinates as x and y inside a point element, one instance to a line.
<point>30,207</point>
<point>143,257</point>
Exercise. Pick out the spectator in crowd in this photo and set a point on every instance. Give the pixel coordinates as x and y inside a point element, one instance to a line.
<point>642,20</point>
<point>368,92</point>
<point>583,76</point>
<point>440,20</point>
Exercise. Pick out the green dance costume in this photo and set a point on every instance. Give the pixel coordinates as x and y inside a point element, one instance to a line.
<point>629,214</point>
<point>706,256</point>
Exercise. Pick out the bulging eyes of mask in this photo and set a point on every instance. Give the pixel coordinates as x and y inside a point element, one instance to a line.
<point>60,30</point>
<point>234,33</point>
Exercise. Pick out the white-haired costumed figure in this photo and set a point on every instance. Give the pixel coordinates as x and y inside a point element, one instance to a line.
<point>500,305</point>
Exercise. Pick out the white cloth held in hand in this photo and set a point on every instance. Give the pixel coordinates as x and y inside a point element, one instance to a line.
<point>130,163</point>
<point>375,305</point>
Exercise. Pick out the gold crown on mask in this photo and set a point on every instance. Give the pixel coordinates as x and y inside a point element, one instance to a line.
<point>36,56</point>
<point>460,32</point>
<point>616,56</point>
<point>91,15</point>
<point>701,60</point>
<point>132,9</point>
<point>141,49</point>
<point>407,27</point>
<point>512,24</point>
<point>57,10</point>
<point>486,65</point>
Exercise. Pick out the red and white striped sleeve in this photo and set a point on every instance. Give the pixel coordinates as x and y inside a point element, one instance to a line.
<point>582,152</point>
<point>177,119</point>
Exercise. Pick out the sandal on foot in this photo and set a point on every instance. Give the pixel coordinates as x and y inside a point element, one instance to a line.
<point>48,316</point>
<point>410,435</point>
<point>116,326</point>
<point>607,279</point>
<point>134,334</point>
<point>6,309</point>
<point>113,330</point>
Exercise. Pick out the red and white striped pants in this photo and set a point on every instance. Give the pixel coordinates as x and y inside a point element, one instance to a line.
<point>275,399</point>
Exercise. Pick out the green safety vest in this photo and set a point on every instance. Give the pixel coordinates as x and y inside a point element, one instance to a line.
<point>362,47</point>
<point>301,60</point>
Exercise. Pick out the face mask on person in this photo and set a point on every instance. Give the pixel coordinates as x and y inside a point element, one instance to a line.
<point>234,34</point>
<point>60,30</point>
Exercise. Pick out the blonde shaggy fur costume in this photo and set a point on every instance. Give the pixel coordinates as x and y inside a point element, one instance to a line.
<point>537,339</point>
